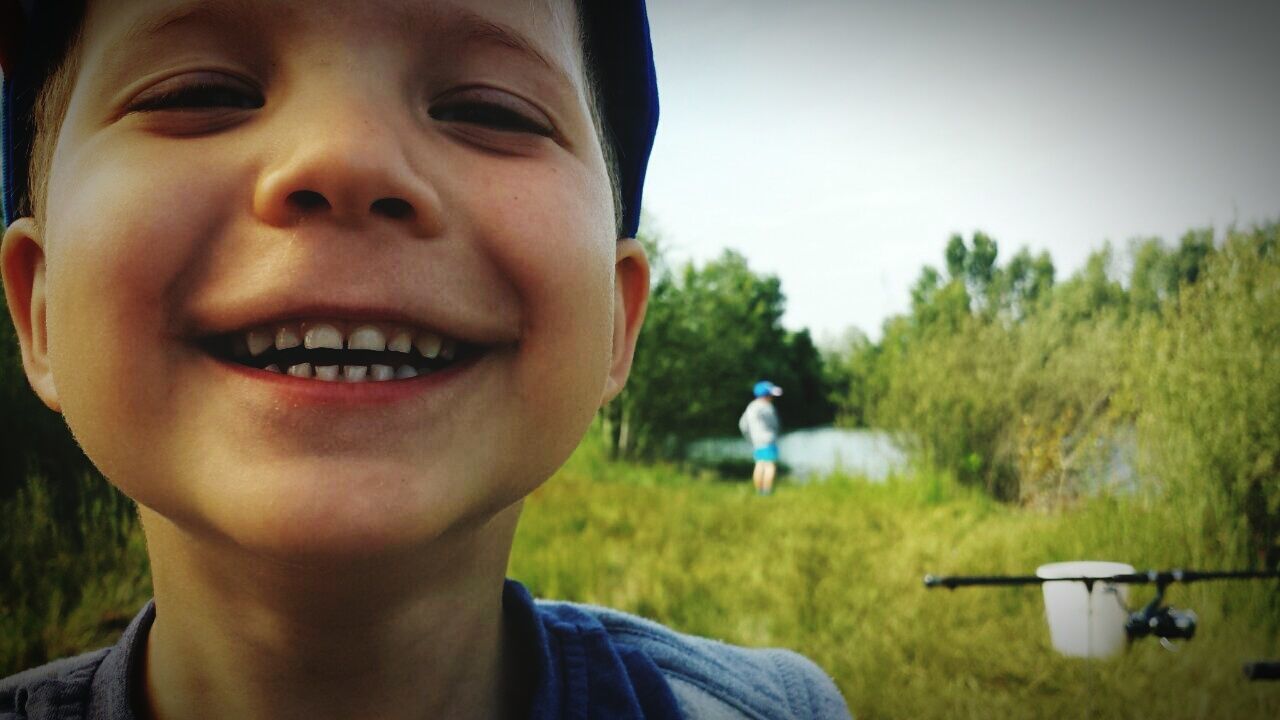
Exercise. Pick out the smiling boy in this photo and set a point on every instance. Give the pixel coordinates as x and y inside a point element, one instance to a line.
<point>328,289</point>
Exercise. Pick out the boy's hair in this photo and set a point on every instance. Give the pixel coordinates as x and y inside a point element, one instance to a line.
<point>591,81</point>
<point>617,58</point>
<point>47,114</point>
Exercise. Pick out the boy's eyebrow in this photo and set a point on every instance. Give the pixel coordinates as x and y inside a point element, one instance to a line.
<point>467,26</point>
<point>481,29</point>
<point>229,12</point>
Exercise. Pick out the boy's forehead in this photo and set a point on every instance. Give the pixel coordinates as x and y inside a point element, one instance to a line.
<point>545,30</point>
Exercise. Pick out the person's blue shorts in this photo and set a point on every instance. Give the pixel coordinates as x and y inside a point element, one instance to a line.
<point>766,453</point>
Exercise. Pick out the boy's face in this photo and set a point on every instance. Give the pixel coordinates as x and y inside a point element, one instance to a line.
<point>428,168</point>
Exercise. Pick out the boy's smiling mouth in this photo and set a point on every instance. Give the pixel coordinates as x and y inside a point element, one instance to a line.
<point>341,351</point>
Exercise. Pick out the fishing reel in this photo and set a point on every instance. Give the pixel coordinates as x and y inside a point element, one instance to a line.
<point>1160,620</point>
<point>1164,622</point>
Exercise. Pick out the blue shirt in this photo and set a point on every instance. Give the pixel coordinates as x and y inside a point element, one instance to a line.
<point>589,663</point>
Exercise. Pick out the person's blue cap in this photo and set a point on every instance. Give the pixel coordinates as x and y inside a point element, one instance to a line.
<point>33,34</point>
<point>764,387</point>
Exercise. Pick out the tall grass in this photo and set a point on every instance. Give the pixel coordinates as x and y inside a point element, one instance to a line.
<point>831,569</point>
<point>834,571</point>
<point>67,589</point>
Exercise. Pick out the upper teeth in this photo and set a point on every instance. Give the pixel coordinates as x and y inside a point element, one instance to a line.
<point>337,335</point>
<point>401,342</point>
<point>324,335</point>
<point>428,344</point>
<point>258,341</point>
<point>367,337</point>
<point>321,335</point>
<point>287,337</point>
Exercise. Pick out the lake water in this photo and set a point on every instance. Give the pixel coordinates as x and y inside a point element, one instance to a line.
<point>817,451</point>
<point>1109,466</point>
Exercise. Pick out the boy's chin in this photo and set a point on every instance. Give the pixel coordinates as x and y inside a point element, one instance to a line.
<point>330,513</point>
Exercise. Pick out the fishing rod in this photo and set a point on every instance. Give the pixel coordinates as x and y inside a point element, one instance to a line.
<point>1155,618</point>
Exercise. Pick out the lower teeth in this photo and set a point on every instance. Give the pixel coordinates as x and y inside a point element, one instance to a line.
<point>350,373</point>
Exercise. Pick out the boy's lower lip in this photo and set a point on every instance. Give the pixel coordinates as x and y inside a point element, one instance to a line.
<point>311,391</point>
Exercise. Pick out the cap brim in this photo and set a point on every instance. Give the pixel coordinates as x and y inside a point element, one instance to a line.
<point>12,25</point>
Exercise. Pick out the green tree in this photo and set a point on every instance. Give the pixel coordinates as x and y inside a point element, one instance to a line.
<point>1019,287</point>
<point>1154,278</point>
<point>851,365</point>
<point>1093,290</point>
<point>998,374</point>
<point>956,254</point>
<point>1194,249</point>
<point>799,369</point>
<point>980,263</point>
<point>711,332</point>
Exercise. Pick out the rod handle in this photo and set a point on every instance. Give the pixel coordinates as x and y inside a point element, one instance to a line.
<point>1262,670</point>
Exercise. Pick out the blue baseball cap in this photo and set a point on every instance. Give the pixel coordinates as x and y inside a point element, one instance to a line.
<point>33,35</point>
<point>764,387</point>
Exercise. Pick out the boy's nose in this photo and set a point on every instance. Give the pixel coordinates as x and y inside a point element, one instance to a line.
<point>349,173</point>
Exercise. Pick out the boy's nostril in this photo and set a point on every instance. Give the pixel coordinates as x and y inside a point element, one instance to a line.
<point>393,208</point>
<point>308,200</point>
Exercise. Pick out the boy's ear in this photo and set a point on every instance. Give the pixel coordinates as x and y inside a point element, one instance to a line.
<point>22,267</point>
<point>630,296</point>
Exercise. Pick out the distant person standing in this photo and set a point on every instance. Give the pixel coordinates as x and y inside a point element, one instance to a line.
<point>759,425</point>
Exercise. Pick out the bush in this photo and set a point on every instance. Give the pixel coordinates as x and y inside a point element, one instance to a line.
<point>1210,396</point>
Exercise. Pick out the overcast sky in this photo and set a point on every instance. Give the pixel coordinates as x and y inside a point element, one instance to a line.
<point>838,144</point>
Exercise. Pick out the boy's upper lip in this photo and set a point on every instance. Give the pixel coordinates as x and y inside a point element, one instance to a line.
<point>479,326</point>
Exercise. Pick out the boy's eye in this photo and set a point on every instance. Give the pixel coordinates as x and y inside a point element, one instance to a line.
<point>203,91</point>
<point>491,109</point>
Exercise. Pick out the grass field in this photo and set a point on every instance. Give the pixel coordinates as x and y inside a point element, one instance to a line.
<point>832,570</point>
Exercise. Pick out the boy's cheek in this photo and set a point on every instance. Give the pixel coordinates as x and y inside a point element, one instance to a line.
<point>558,250</point>
<point>122,239</point>
<point>139,217</point>
<point>556,242</point>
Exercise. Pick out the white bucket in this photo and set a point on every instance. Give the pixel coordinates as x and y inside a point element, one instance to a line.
<point>1083,624</point>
